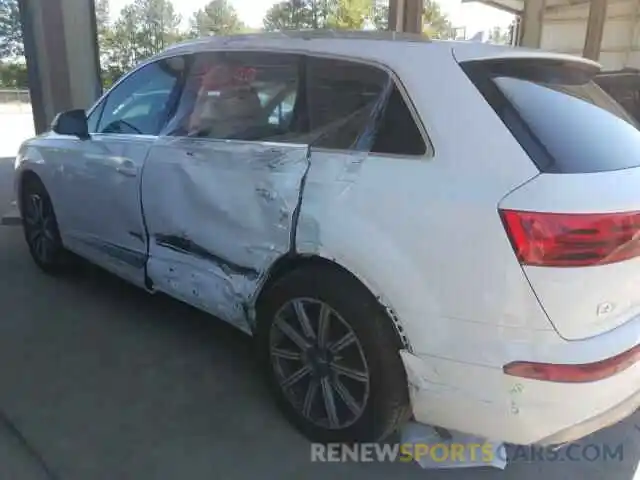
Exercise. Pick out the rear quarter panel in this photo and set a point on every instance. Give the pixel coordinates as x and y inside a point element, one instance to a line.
<point>424,233</point>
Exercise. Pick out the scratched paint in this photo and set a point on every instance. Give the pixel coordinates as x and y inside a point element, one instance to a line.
<point>219,214</point>
<point>188,247</point>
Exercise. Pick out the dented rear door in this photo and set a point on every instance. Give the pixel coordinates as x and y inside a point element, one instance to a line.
<point>222,186</point>
<point>218,215</point>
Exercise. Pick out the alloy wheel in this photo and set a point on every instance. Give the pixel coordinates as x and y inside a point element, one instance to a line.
<point>39,226</point>
<point>319,363</point>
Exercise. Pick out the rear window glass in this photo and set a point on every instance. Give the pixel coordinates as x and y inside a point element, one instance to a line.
<point>567,128</point>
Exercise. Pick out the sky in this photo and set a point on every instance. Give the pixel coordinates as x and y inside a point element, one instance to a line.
<point>474,16</point>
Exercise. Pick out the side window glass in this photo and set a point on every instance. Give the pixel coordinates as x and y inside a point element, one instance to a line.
<point>397,132</point>
<point>241,96</point>
<point>356,106</point>
<point>140,104</point>
<point>342,98</point>
<point>281,107</point>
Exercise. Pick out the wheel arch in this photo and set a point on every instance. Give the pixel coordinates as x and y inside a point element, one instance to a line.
<point>25,176</point>
<point>290,262</point>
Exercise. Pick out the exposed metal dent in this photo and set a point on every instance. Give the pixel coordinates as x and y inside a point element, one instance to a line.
<point>187,246</point>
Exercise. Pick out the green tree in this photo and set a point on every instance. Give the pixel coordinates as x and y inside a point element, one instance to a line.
<point>13,75</point>
<point>158,25</point>
<point>318,14</point>
<point>350,14</point>
<point>288,15</point>
<point>218,17</point>
<point>102,15</point>
<point>144,28</point>
<point>104,32</point>
<point>121,42</point>
<point>322,13</point>
<point>436,22</point>
<point>10,29</point>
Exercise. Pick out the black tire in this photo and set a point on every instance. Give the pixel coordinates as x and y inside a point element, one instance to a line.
<point>387,403</point>
<point>41,234</point>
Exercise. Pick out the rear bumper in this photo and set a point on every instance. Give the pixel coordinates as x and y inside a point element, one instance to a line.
<point>485,402</point>
<point>617,413</point>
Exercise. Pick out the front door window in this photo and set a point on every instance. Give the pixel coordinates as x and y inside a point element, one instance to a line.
<point>140,104</point>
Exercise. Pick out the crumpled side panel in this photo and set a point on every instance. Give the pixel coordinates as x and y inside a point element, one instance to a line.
<point>218,215</point>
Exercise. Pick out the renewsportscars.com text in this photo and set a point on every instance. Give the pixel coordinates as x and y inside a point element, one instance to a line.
<point>463,452</point>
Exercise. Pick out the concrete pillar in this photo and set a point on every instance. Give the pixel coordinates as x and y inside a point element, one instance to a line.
<point>595,28</point>
<point>531,23</point>
<point>62,56</point>
<point>406,15</point>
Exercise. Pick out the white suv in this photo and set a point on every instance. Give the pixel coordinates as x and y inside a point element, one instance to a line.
<point>443,230</point>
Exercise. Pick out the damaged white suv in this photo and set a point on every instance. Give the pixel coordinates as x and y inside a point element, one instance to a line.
<point>448,231</point>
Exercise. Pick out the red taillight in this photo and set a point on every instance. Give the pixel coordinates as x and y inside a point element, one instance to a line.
<point>572,240</point>
<point>589,372</point>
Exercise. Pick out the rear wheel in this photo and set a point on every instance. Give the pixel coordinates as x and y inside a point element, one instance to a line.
<point>40,227</point>
<point>332,357</point>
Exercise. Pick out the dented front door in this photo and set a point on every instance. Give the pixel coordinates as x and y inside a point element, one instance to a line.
<point>218,214</point>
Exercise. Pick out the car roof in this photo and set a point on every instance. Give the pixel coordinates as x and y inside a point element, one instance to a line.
<point>306,41</point>
<point>359,45</point>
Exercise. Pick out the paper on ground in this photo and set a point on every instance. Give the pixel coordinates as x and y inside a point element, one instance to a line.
<point>469,451</point>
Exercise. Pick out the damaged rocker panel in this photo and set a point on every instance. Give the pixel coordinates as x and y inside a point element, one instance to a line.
<point>130,257</point>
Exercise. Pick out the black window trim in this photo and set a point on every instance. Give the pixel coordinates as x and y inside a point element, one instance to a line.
<point>483,78</point>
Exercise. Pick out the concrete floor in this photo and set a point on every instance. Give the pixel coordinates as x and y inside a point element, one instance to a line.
<point>103,381</point>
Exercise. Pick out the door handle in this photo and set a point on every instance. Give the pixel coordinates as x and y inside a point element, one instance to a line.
<point>127,168</point>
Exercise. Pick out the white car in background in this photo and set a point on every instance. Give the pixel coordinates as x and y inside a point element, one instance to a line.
<point>448,231</point>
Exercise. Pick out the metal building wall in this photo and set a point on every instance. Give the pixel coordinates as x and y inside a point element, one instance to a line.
<point>564,30</point>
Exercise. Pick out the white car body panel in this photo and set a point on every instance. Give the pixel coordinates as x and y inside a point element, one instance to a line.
<point>432,210</point>
<point>107,227</point>
<point>422,233</point>
<point>219,214</point>
<point>483,400</point>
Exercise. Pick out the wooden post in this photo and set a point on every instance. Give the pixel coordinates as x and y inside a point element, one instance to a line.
<point>595,28</point>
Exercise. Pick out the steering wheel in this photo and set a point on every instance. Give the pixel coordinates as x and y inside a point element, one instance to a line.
<point>114,127</point>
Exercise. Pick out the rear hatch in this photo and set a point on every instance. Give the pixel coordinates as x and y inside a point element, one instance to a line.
<point>575,228</point>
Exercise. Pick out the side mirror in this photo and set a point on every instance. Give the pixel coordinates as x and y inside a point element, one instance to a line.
<point>72,122</point>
